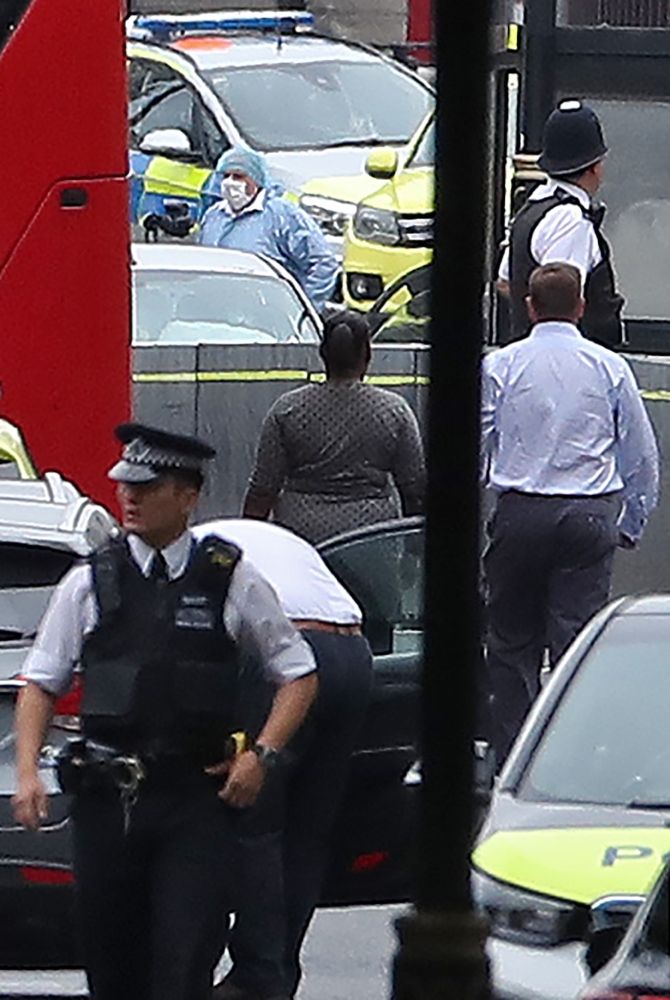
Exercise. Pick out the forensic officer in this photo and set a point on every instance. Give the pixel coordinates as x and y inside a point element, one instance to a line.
<point>252,215</point>
<point>561,222</point>
<point>266,953</point>
<point>571,453</point>
<point>159,623</point>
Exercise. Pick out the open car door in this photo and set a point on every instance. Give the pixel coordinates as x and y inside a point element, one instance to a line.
<point>382,567</point>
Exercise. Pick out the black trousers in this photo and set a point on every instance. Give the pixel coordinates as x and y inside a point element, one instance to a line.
<point>315,786</point>
<point>153,902</point>
<point>548,569</point>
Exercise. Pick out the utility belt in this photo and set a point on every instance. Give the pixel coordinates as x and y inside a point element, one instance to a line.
<point>85,765</point>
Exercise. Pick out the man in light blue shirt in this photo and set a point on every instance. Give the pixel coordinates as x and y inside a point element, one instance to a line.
<point>253,216</point>
<point>568,445</point>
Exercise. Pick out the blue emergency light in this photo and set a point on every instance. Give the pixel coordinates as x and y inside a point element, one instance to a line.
<point>168,27</point>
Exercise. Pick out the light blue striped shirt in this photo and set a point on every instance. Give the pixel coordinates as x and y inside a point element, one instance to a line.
<point>562,415</point>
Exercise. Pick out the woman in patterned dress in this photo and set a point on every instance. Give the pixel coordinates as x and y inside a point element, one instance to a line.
<point>338,454</point>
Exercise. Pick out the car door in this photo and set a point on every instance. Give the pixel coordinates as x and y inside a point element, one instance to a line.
<point>382,567</point>
<point>163,102</point>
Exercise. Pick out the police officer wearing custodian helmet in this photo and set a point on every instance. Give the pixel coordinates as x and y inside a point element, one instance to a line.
<point>160,624</point>
<point>561,224</point>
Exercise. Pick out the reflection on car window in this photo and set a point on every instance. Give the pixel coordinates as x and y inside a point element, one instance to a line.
<point>170,107</point>
<point>190,307</point>
<point>401,321</point>
<point>338,102</point>
<point>607,741</point>
<point>425,151</point>
<point>385,575</point>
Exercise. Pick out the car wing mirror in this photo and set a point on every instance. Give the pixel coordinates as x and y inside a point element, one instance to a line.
<point>419,306</point>
<point>168,141</point>
<point>602,946</point>
<point>485,768</point>
<point>382,163</point>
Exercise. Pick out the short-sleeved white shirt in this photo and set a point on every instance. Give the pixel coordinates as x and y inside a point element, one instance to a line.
<point>305,586</point>
<point>252,616</point>
<point>563,235</point>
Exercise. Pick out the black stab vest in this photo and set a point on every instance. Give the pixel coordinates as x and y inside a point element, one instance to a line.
<point>602,317</point>
<point>160,673</point>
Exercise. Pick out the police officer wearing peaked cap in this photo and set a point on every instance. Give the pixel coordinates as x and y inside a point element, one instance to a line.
<point>561,224</point>
<point>159,623</point>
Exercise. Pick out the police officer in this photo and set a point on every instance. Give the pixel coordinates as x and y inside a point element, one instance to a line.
<point>571,453</point>
<point>561,223</point>
<point>159,623</point>
<point>266,953</point>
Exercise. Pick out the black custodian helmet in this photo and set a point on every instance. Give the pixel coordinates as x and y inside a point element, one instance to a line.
<point>572,141</point>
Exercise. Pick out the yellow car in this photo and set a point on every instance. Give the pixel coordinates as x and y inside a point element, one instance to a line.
<point>392,230</point>
<point>385,215</point>
<point>15,460</point>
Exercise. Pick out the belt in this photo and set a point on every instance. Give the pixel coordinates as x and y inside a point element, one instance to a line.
<point>313,625</point>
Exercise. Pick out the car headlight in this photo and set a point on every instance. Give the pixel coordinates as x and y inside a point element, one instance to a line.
<point>331,214</point>
<point>377,225</point>
<point>526,918</point>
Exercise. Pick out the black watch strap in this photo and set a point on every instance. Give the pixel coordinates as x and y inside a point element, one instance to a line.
<point>268,757</point>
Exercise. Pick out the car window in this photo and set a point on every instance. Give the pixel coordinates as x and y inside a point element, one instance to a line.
<point>606,742</point>
<point>191,307</point>
<point>425,151</point>
<point>339,103</point>
<point>28,575</point>
<point>384,572</point>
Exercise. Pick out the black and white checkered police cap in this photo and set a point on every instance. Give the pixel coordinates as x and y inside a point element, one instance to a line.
<point>150,453</point>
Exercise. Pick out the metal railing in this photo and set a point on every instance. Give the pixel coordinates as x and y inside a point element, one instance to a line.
<point>615,13</point>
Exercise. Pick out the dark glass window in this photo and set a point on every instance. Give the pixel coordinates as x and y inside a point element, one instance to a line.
<point>607,741</point>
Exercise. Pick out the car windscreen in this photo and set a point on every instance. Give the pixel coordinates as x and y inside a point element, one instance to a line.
<point>606,742</point>
<point>191,307</point>
<point>317,105</point>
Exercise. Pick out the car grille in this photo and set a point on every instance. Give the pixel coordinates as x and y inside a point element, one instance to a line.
<point>416,230</point>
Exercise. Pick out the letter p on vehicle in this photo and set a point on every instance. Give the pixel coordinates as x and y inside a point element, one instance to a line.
<point>625,852</point>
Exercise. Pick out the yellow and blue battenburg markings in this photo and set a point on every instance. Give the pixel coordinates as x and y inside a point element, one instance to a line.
<point>582,864</point>
<point>155,180</point>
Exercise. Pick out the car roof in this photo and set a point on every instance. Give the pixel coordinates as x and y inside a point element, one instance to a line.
<point>187,257</point>
<point>51,512</point>
<point>210,52</point>
<point>648,604</point>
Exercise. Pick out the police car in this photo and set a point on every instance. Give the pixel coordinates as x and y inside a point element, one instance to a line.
<point>579,824</point>
<point>314,105</point>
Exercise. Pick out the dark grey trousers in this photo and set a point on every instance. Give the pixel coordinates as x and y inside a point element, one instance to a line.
<point>547,569</point>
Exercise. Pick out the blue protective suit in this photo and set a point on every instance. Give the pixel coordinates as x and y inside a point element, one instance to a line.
<point>280,229</point>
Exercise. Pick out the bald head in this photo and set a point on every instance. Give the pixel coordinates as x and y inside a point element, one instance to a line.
<point>555,292</point>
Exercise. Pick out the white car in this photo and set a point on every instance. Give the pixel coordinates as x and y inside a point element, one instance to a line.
<point>190,295</point>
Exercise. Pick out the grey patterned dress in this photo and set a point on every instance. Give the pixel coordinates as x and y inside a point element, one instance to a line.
<point>338,455</point>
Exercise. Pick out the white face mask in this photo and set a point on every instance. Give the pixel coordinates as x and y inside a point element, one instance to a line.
<point>235,192</point>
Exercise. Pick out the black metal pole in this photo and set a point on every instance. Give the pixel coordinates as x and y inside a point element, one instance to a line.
<point>441,950</point>
<point>539,76</point>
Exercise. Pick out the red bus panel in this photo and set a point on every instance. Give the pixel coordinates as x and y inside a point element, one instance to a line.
<point>64,260</point>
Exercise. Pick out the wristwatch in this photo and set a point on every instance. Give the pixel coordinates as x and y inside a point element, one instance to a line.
<point>268,757</point>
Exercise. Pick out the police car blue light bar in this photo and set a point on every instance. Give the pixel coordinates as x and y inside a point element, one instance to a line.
<point>167,26</point>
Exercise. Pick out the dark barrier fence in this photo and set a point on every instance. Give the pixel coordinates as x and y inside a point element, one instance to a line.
<point>223,394</point>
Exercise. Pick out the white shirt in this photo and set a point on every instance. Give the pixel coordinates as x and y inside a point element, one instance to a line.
<point>563,235</point>
<point>305,586</point>
<point>251,614</point>
<point>562,415</point>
